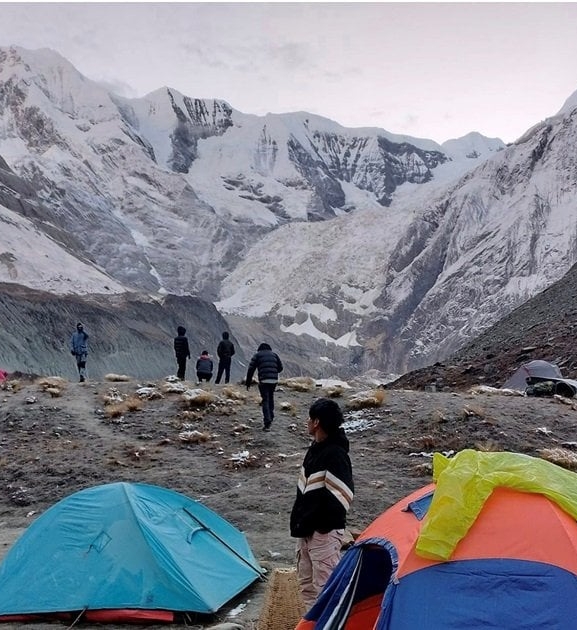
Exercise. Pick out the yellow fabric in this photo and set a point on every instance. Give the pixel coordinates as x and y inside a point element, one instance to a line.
<point>466,481</point>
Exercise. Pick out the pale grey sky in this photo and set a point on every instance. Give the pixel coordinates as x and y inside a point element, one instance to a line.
<point>432,70</point>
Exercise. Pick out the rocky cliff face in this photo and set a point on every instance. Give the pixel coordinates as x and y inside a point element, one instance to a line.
<point>369,249</point>
<point>128,334</point>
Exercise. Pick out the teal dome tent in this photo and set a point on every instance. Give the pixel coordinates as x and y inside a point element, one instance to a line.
<point>125,551</point>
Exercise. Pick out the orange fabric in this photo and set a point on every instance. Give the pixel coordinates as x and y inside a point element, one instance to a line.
<point>512,524</point>
<point>305,624</point>
<point>128,616</point>
<point>363,615</point>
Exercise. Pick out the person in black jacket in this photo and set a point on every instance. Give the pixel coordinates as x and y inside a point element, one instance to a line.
<point>324,494</point>
<point>268,365</point>
<point>225,352</point>
<point>182,351</point>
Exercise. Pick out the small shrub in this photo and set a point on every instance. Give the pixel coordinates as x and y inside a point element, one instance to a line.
<point>51,382</point>
<point>299,383</point>
<point>473,411</point>
<point>193,437</point>
<point>197,398</point>
<point>560,456</point>
<point>334,391</point>
<point>115,410</point>
<point>117,378</point>
<point>438,417</point>
<point>233,394</point>
<point>488,446</point>
<point>365,400</point>
<point>288,408</point>
<point>428,442</point>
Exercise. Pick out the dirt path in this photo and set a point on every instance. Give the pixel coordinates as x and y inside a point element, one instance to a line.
<point>55,446</point>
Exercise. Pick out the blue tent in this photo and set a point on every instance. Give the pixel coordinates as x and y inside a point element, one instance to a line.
<point>125,546</point>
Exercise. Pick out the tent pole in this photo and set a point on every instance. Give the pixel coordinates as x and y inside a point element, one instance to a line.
<point>258,570</point>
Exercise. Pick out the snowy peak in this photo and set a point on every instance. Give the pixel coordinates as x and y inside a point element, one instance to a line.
<point>472,146</point>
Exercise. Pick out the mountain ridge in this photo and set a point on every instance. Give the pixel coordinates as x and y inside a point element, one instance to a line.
<point>393,254</point>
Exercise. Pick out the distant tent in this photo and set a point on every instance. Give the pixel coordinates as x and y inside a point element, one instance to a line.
<point>125,552</point>
<point>467,552</point>
<point>537,371</point>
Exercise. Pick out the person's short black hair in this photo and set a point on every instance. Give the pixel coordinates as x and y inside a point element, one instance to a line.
<point>181,330</point>
<point>225,335</point>
<point>79,325</point>
<point>328,413</point>
<point>264,346</point>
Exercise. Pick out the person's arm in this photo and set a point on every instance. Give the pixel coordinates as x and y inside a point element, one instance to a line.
<point>279,365</point>
<point>250,371</point>
<point>231,348</point>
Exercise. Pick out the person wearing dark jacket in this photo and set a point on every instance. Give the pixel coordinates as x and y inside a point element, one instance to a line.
<point>324,494</point>
<point>204,367</point>
<point>225,352</point>
<point>182,351</point>
<point>79,349</point>
<point>268,365</point>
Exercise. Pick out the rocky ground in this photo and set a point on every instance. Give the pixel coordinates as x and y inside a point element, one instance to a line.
<point>57,437</point>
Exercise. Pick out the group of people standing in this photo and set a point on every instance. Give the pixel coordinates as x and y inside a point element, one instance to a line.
<point>204,363</point>
<point>325,484</point>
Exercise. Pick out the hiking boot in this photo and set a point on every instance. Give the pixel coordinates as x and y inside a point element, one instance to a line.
<point>82,379</point>
<point>266,427</point>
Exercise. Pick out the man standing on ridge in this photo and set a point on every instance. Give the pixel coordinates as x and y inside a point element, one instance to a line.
<point>225,352</point>
<point>182,351</point>
<point>268,365</point>
<point>324,494</point>
<point>79,349</point>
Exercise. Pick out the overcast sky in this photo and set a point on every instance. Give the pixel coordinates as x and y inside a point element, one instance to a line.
<point>431,70</point>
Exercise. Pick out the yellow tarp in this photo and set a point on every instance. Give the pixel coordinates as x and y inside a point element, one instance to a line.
<point>466,481</point>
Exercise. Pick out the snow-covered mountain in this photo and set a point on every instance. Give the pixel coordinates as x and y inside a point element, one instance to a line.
<point>390,251</point>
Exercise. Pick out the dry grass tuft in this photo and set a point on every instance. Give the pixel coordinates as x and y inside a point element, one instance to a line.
<point>117,409</point>
<point>232,393</point>
<point>11,386</point>
<point>193,437</point>
<point>195,416</point>
<point>438,417</point>
<point>299,383</point>
<point>560,456</point>
<point>197,398</point>
<point>333,391</point>
<point>427,442</point>
<point>50,382</point>
<point>366,400</point>
<point>488,446</point>
<point>288,408</point>
<point>117,378</point>
<point>173,387</point>
<point>423,470</point>
<point>473,411</point>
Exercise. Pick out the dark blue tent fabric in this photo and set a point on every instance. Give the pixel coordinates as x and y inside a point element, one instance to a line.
<point>494,594</point>
<point>364,571</point>
<point>126,545</point>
